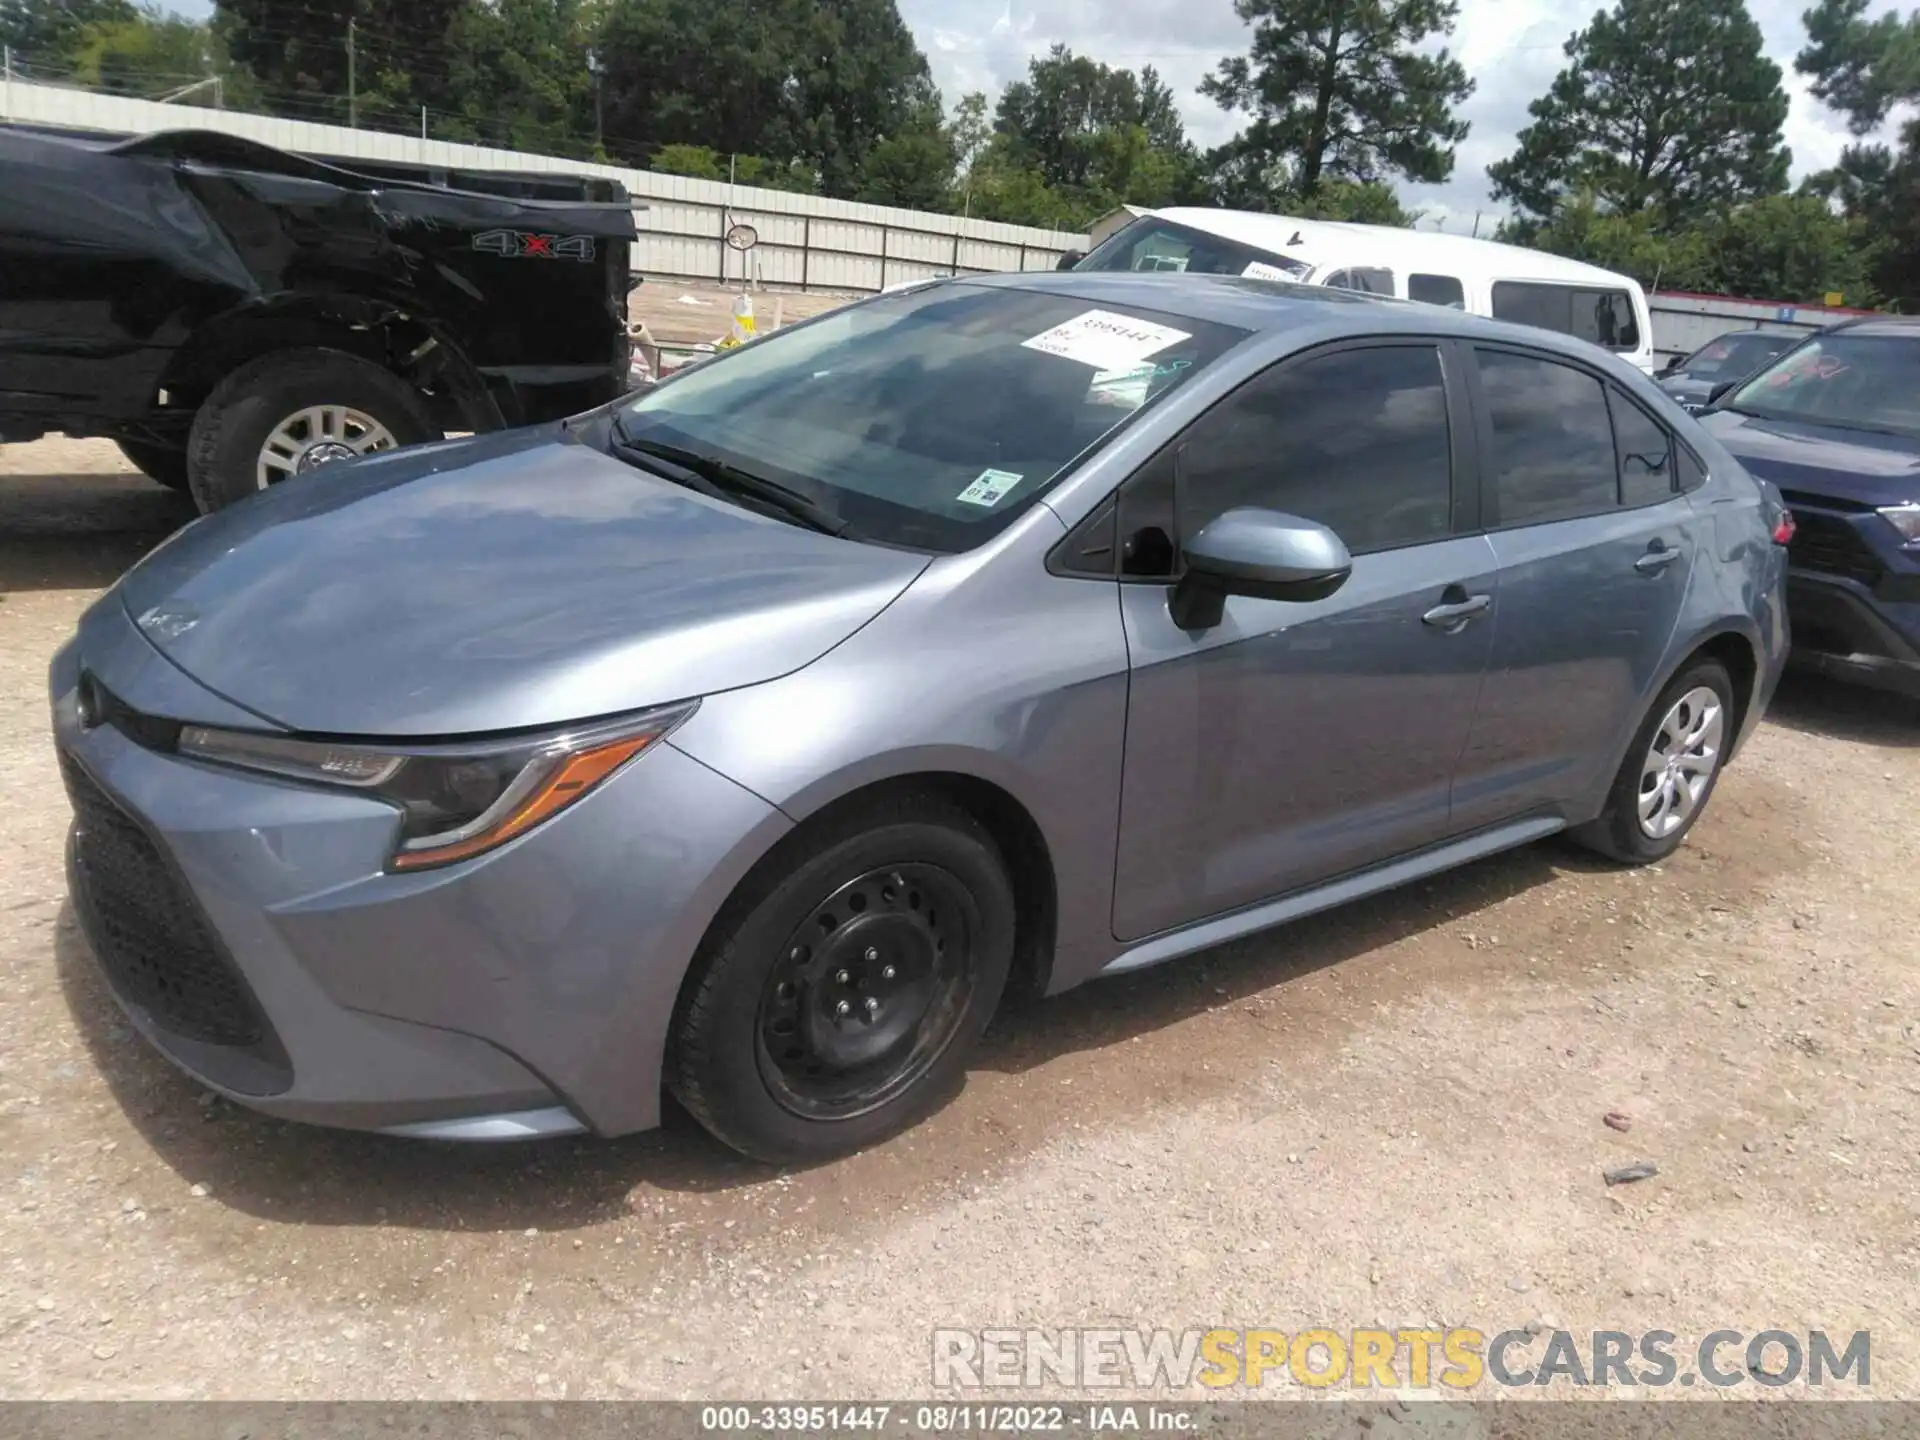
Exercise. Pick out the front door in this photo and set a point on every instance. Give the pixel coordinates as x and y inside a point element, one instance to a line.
<point>1293,742</point>
<point>1596,546</point>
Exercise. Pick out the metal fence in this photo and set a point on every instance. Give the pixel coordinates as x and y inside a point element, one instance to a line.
<point>806,242</point>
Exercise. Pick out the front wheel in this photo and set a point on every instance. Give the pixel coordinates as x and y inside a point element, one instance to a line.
<point>843,993</point>
<point>293,412</point>
<point>1670,770</point>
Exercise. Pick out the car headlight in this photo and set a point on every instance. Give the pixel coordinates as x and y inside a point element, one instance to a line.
<point>1906,519</point>
<point>455,801</point>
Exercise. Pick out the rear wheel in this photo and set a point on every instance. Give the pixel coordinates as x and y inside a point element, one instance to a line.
<point>164,464</point>
<point>291,413</point>
<point>1670,770</point>
<point>844,993</point>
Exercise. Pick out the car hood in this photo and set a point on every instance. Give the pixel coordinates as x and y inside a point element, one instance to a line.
<point>1856,466</point>
<point>514,581</point>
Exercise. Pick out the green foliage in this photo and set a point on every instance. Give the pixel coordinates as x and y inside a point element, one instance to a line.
<point>45,33</point>
<point>1364,202</point>
<point>1665,105</point>
<point>1863,68</point>
<point>1778,247</point>
<point>913,171</point>
<point>1072,141</point>
<point>808,85</point>
<point>1345,89</point>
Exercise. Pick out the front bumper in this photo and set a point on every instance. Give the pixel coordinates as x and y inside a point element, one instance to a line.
<point>527,992</point>
<point>1853,600</point>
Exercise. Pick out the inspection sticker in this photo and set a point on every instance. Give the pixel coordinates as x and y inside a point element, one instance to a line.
<point>1260,270</point>
<point>990,489</point>
<point>1106,340</point>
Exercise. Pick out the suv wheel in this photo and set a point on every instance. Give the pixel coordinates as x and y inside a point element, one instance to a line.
<point>840,998</point>
<point>294,412</point>
<point>162,464</point>
<point>1670,770</point>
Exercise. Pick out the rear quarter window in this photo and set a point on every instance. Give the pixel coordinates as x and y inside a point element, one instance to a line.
<point>1601,315</point>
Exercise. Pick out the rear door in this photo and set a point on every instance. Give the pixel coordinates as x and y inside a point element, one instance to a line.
<point>1293,742</point>
<point>1596,545</point>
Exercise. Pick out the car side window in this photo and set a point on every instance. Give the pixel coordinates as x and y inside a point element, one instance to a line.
<point>1369,279</point>
<point>1553,453</point>
<point>1357,440</point>
<point>1437,290</point>
<point>1689,468</point>
<point>1645,451</point>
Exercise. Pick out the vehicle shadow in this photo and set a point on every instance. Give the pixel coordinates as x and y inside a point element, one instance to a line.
<point>1817,705</point>
<point>296,1173</point>
<point>80,532</point>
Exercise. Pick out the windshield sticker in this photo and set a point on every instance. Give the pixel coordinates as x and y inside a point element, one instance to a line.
<point>1106,340</point>
<point>1260,270</point>
<point>990,489</point>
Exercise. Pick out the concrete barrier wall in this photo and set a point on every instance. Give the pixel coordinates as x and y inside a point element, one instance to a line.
<point>806,241</point>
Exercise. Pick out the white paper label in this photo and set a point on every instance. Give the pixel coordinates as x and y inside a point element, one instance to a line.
<point>1106,340</point>
<point>990,489</point>
<point>1260,270</point>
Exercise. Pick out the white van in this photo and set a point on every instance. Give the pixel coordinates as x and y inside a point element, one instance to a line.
<point>1527,287</point>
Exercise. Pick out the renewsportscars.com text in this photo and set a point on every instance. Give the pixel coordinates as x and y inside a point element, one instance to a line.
<point>1390,1359</point>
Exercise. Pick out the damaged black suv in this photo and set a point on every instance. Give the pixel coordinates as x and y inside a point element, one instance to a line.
<point>233,315</point>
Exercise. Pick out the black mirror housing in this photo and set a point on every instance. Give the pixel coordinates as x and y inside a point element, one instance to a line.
<point>1724,387</point>
<point>1262,554</point>
<point>1070,259</point>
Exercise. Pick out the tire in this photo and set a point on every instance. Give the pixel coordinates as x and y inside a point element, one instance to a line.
<point>764,1007</point>
<point>1620,833</point>
<point>161,464</point>
<point>232,429</point>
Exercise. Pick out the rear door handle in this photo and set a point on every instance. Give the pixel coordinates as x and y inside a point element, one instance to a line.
<point>1455,615</point>
<point>1656,560</point>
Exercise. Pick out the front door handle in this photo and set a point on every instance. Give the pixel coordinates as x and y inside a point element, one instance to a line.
<point>1656,560</point>
<point>1455,615</point>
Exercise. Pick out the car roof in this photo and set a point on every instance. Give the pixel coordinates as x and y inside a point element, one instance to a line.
<point>1269,306</point>
<point>1903,326</point>
<point>1339,242</point>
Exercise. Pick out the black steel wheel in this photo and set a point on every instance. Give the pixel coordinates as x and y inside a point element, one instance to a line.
<point>868,991</point>
<point>845,985</point>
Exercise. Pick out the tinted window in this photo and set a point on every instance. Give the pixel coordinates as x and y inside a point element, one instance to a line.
<point>1646,454</point>
<point>1604,317</point>
<point>1368,279</point>
<point>1732,356</point>
<point>1437,290</point>
<point>1687,465</point>
<point>929,418</point>
<point>1553,453</point>
<point>1151,244</point>
<point>1356,440</point>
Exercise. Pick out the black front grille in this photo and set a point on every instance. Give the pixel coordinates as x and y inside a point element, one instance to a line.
<point>153,943</point>
<point>1830,545</point>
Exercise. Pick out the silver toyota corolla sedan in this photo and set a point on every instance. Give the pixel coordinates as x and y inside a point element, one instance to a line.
<point>748,742</point>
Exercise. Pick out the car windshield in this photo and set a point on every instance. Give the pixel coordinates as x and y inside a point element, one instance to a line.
<point>1152,244</point>
<point>1857,382</point>
<point>928,419</point>
<point>1732,356</point>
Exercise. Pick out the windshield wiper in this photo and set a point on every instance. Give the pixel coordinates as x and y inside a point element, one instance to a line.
<point>723,480</point>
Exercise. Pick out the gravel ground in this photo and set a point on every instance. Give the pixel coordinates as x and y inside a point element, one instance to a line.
<point>1392,1114</point>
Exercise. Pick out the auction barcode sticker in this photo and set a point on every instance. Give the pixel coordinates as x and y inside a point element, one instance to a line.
<point>1106,340</point>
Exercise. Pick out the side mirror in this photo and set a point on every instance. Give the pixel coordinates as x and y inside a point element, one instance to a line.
<point>1262,554</point>
<point>1723,388</point>
<point>1070,259</point>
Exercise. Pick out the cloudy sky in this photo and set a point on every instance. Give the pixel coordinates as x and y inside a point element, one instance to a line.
<point>1511,47</point>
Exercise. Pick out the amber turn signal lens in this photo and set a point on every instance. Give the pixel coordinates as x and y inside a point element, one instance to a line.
<point>567,778</point>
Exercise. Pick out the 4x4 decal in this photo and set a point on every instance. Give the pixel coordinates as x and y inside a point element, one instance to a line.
<point>525,245</point>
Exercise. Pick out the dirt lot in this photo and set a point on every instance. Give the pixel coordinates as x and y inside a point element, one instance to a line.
<point>1391,1114</point>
